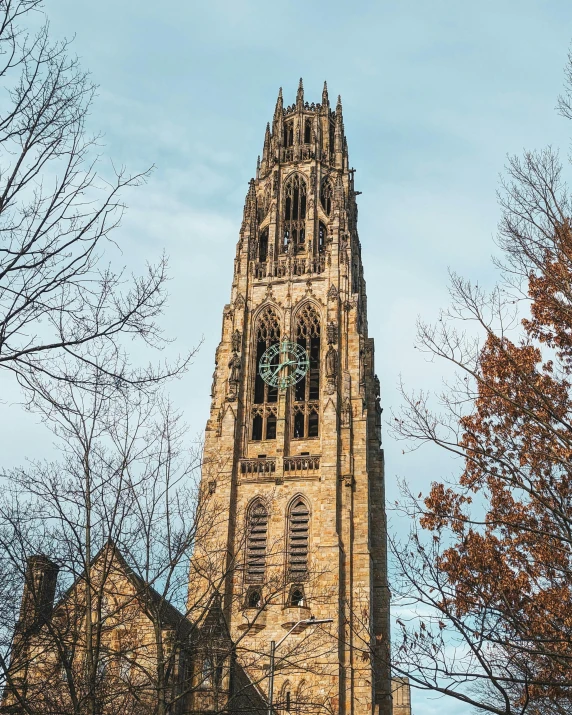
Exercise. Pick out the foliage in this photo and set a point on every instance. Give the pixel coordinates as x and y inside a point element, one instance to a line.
<point>491,590</point>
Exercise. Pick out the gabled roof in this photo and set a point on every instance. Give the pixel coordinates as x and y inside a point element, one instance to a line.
<point>169,615</point>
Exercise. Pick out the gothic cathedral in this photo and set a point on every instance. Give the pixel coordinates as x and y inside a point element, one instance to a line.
<point>292,459</point>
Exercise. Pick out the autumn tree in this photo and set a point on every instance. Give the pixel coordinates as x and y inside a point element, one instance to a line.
<point>483,585</point>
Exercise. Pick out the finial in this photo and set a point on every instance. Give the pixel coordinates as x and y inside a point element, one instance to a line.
<point>300,93</point>
<point>325,99</point>
<point>339,104</point>
<point>258,167</point>
<point>267,134</point>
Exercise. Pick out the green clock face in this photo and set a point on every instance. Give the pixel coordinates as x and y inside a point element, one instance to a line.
<point>284,364</point>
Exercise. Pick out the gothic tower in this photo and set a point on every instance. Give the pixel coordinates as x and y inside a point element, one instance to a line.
<point>292,457</point>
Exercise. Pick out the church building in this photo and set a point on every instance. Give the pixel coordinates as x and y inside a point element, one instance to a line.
<point>288,600</point>
<point>293,444</point>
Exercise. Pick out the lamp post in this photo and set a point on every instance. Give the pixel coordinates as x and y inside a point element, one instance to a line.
<point>312,621</point>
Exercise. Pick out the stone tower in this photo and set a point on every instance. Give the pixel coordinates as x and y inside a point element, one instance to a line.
<point>295,473</point>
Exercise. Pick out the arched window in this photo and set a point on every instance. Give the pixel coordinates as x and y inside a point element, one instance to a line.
<point>294,229</point>
<point>296,599</point>
<point>307,391</point>
<point>298,540</point>
<point>288,134</point>
<point>265,396</point>
<point>326,196</point>
<point>285,699</point>
<point>254,597</point>
<point>307,131</point>
<point>256,537</point>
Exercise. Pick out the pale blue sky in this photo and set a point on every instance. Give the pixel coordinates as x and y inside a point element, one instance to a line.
<point>435,95</point>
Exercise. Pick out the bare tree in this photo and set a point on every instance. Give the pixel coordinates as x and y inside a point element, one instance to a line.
<point>118,517</point>
<point>63,308</point>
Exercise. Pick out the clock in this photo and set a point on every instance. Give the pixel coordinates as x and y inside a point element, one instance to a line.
<point>284,364</point>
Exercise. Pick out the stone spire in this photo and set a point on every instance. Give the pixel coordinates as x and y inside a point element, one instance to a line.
<point>325,100</point>
<point>250,203</point>
<point>339,134</point>
<point>266,149</point>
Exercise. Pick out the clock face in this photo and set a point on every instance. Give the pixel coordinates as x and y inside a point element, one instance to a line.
<point>284,364</point>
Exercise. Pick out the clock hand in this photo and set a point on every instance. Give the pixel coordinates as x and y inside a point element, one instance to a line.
<point>283,364</point>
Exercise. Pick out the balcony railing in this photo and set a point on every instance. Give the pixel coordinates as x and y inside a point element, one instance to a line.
<point>300,466</point>
<point>258,467</point>
<point>291,266</point>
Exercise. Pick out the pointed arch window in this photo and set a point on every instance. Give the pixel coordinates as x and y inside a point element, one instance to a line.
<point>298,540</point>
<point>256,541</point>
<point>326,196</point>
<point>265,396</point>
<point>305,422</point>
<point>294,230</point>
<point>285,699</point>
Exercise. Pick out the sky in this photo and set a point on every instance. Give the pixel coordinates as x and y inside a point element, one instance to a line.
<point>436,95</point>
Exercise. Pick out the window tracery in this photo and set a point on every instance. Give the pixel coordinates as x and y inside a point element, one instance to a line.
<point>305,412</point>
<point>294,231</point>
<point>265,396</point>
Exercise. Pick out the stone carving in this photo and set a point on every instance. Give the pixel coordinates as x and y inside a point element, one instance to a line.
<point>236,341</point>
<point>235,367</point>
<point>331,369</point>
<point>346,413</point>
<point>213,384</point>
<point>239,303</point>
<point>219,422</point>
<point>332,333</point>
<point>332,292</point>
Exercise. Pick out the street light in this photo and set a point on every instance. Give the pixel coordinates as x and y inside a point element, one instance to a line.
<point>312,621</point>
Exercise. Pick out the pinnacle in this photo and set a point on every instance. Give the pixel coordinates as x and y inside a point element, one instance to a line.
<point>300,93</point>
<point>279,104</point>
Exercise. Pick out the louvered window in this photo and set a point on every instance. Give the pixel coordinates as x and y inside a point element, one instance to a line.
<point>256,542</point>
<point>298,540</point>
